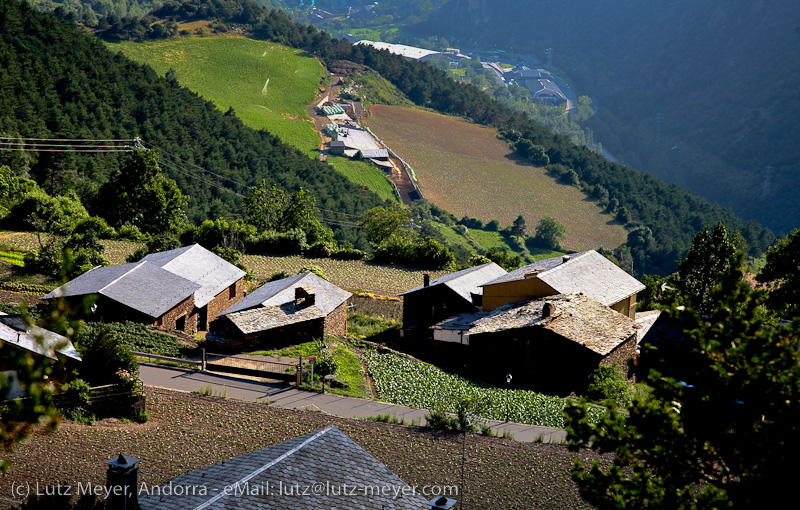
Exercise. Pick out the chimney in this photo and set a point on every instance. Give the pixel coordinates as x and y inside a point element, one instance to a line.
<point>304,295</point>
<point>565,258</point>
<point>426,279</point>
<point>548,309</point>
<point>533,274</point>
<point>122,483</point>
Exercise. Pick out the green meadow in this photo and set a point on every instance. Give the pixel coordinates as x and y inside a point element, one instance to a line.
<point>269,86</point>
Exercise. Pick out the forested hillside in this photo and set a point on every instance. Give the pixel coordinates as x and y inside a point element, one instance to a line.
<point>56,82</point>
<point>722,73</point>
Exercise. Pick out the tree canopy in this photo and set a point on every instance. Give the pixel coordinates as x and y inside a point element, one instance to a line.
<point>710,259</point>
<point>720,428</point>
<point>782,274</point>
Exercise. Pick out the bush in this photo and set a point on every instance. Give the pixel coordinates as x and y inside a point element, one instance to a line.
<point>278,275</point>
<point>425,252</point>
<point>321,250</point>
<point>291,242</point>
<point>311,268</point>
<point>77,407</point>
<point>103,356</point>
<point>348,253</point>
<point>608,382</point>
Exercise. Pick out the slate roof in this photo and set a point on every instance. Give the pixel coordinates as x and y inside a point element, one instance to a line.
<point>467,281</point>
<point>587,272</point>
<point>198,265</point>
<point>143,286</point>
<point>576,317</point>
<point>327,296</point>
<point>270,478</point>
<point>14,331</point>
<point>262,319</point>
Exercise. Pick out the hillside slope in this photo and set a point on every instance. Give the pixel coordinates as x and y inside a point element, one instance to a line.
<point>466,169</point>
<point>59,83</point>
<point>721,72</point>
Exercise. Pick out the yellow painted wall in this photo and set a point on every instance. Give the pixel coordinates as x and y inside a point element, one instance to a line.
<point>504,293</point>
<point>626,307</point>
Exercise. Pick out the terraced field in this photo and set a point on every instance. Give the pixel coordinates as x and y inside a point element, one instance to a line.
<point>465,169</point>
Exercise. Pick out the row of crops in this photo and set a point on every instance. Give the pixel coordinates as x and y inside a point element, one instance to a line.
<point>405,382</point>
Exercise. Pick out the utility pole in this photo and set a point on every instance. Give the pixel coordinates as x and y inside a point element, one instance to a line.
<point>549,53</point>
<point>767,181</point>
<point>659,118</point>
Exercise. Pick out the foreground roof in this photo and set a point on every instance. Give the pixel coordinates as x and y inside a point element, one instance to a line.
<point>142,286</point>
<point>198,265</point>
<point>14,331</point>
<point>576,317</point>
<point>348,478</point>
<point>327,296</point>
<point>467,281</point>
<point>587,272</point>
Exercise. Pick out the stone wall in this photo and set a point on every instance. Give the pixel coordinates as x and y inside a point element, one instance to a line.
<point>221,302</point>
<point>336,321</point>
<point>185,308</point>
<point>620,356</point>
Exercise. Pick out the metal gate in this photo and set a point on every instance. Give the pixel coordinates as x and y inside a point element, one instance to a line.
<point>244,365</point>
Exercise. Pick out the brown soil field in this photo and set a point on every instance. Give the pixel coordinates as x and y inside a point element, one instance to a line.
<point>189,431</point>
<point>467,170</point>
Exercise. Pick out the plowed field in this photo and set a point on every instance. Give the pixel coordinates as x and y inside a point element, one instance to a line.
<point>467,170</point>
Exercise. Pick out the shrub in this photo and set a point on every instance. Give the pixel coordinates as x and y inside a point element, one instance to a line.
<point>292,242</point>
<point>322,249</point>
<point>608,382</point>
<point>312,268</point>
<point>278,275</point>
<point>103,356</point>
<point>348,253</point>
<point>77,406</point>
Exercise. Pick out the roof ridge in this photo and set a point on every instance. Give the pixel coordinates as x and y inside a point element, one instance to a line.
<point>126,273</point>
<point>230,488</point>
<point>566,262</point>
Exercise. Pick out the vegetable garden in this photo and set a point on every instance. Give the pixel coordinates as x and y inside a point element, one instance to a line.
<point>404,382</point>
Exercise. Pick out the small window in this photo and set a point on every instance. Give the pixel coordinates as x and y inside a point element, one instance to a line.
<point>180,324</point>
<point>232,291</point>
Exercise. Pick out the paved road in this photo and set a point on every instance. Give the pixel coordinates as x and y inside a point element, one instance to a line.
<point>279,394</point>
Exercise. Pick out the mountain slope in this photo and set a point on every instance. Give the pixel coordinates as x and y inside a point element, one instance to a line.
<point>58,83</point>
<point>721,72</point>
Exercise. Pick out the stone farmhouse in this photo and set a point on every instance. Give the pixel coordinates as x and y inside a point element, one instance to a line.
<point>284,312</point>
<point>182,289</point>
<point>451,294</point>
<point>552,343</point>
<point>587,272</point>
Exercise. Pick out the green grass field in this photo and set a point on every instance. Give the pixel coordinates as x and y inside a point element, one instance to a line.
<point>366,175</point>
<point>269,86</point>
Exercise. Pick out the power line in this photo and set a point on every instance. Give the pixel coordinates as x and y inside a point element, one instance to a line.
<point>162,151</point>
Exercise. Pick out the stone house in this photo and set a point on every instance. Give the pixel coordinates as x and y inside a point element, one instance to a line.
<point>552,343</point>
<point>284,312</point>
<point>451,294</point>
<point>182,289</point>
<point>588,272</point>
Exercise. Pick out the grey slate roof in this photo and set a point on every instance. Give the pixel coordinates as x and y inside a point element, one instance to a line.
<point>467,281</point>
<point>143,286</point>
<point>587,272</point>
<point>195,263</point>
<point>576,317</point>
<point>14,331</point>
<point>262,319</point>
<point>271,478</point>
<point>280,292</point>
